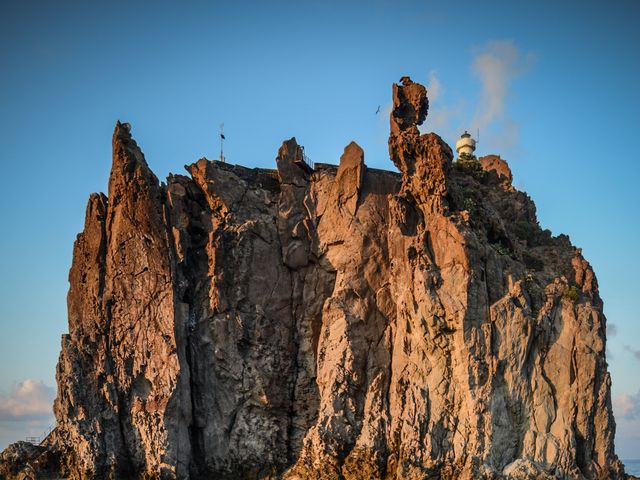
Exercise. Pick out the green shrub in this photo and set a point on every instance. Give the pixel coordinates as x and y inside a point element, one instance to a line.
<point>502,249</point>
<point>470,164</point>
<point>469,204</point>
<point>532,262</point>
<point>468,191</point>
<point>526,231</point>
<point>571,293</point>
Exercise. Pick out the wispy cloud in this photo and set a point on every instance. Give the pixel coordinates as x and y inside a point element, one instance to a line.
<point>627,406</point>
<point>496,65</point>
<point>27,400</point>
<point>444,119</point>
<point>434,87</point>
<point>633,351</point>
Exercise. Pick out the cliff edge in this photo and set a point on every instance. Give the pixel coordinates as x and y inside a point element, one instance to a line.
<point>329,323</point>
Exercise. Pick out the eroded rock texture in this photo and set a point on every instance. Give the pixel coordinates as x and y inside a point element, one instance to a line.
<point>338,323</point>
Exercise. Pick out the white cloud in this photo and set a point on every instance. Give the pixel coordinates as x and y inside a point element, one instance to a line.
<point>496,64</point>
<point>445,120</point>
<point>626,406</point>
<point>633,351</point>
<point>27,400</point>
<point>627,438</point>
<point>434,87</point>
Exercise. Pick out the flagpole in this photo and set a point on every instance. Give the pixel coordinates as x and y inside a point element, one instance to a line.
<point>221,142</point>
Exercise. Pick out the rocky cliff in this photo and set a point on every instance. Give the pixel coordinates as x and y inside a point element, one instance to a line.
<point>328,323</point>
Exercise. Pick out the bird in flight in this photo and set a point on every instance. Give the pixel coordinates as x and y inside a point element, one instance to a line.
<point>378,110</point>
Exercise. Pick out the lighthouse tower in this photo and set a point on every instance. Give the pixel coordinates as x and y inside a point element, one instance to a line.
<point>466,144</point>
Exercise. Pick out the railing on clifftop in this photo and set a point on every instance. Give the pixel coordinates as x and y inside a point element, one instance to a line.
<point>303,160</point>
<point>42,438</point>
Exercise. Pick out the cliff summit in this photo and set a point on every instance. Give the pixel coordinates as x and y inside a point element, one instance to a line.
<point>336,322</point>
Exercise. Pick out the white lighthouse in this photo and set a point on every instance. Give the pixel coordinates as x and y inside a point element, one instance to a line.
<point>466,144</point>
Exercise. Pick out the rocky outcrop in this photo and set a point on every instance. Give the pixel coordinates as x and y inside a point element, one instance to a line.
<point>26,461</point>
<point>342,322</point>
<point>495,165</point>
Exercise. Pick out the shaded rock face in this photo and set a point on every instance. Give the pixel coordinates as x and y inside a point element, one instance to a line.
<point>343,323</point>
<point>26,461</point>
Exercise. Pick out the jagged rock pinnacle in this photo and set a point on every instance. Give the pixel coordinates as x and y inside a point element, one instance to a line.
<point>410,106</point>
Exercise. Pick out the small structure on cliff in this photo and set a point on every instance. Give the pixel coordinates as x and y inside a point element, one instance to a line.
<point>466,144</point>
<point>222,139</point>
<point>303,161</point>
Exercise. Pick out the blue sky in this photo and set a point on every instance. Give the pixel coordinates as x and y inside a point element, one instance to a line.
<point>552,85</point>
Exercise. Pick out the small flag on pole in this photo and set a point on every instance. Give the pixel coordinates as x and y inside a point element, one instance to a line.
<point>222,139</point>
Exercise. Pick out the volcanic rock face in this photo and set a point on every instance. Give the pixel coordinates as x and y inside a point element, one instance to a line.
<point>342,323</point>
